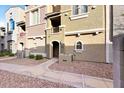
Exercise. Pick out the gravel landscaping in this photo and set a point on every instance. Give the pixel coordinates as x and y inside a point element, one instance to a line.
<point>12,80</point>
<point>88,68</point>
<point>24,61</point>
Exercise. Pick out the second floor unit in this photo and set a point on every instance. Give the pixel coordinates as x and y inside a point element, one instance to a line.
<point>15,17</point>
<point>35,20</point>
<point>65,20</point>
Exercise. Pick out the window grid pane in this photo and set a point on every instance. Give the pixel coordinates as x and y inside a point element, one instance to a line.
<point>84,8</point>
<point>79,45</point>
<point>35,17</point>
<point>75,9</point>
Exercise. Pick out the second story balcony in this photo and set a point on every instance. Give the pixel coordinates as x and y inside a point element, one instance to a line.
<point>55,30</point>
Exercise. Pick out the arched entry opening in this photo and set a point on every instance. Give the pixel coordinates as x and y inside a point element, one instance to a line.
<point>55,49</point>
<point>20,52</point>
<point>21,46</point>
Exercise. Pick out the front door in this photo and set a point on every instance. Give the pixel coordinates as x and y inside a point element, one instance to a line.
<point>55,49</point>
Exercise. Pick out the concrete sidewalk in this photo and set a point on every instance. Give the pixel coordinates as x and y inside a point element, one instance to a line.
<point>7,58</point>
<point>43,72</point>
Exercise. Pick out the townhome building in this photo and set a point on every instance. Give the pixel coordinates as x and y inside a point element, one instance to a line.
<point>2,38</point>
<point>15,18</point>
<point>35,29</point>
<point>79,32</point>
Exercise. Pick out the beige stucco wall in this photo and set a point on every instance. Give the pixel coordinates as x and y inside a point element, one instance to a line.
<point>94,47</point>
<point>95,19</point>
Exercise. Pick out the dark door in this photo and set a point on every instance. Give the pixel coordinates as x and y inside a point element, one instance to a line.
<point>55,49</point>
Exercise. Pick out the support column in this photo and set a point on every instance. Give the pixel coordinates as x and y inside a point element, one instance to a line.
<point>118,61</point>
<point>108,34</point>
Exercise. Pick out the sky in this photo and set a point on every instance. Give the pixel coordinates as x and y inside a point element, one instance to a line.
<point>3,9</point>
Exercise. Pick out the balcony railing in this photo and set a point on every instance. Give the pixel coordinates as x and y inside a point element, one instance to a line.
<point>55,29</point>
<point>10,32</point>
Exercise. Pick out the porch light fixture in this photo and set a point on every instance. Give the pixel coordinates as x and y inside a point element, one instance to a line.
<point>93,7</point>
<point>78,34</point>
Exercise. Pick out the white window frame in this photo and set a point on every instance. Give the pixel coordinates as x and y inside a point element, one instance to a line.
<point>79,50</point>
<point>79,15</point>
<point>31,17</point>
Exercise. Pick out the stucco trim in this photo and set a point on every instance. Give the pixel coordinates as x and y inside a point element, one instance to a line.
<point>85,31</point>
<point>42,36</point>
<point>74,17</point>
<point>35,8</point>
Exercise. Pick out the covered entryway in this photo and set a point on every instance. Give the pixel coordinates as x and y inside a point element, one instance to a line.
<point>55,49</point>
<point>20,52</point>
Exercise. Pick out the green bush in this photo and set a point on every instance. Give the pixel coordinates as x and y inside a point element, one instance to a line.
<point>7,52</point>
<point>39,57</point>
<point>31,56</point>
<point>11,54</point>
<point>1,54</point>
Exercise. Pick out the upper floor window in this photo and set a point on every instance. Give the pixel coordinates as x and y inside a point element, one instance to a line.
<point>35,17</point>
<point>75,9</point>
<point>12,25</point>
<point>80,9</point>
<point>84,9</point>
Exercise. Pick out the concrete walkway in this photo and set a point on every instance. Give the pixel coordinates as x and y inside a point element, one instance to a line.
<point>7,58</point>
<point>43,72</point>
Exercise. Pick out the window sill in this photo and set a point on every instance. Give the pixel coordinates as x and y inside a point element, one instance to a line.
<point>34,25</point>
<point>74,17</point>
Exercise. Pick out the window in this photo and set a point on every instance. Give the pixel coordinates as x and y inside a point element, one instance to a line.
<point>75,9</point>
<point>12,24</point>
<point>84,9</point>
<point>79,46</point>
<point>34,17</point>
<point>79,11</point>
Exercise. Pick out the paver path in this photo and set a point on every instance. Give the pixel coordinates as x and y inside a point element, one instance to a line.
<point>43,72</point>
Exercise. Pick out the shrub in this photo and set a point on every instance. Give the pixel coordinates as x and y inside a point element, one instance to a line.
<point>6,52</point>
<point>39,57</point>
<point>1,54</point>
<point>11,54</point>
<point>31,56</point>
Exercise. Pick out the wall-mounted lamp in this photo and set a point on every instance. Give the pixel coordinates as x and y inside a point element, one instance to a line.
<point>93,7</point>
<point>65,14</point>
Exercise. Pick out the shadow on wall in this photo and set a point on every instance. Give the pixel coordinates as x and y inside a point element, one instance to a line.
<point>37,50</point>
